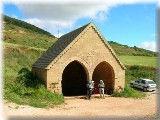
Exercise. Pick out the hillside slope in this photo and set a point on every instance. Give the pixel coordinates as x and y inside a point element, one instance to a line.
<point>132,51</point>
<point>23,44</point>
<point>19,32</point>
<point>28,40</point>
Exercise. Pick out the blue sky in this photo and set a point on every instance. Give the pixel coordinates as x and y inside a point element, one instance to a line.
<point>130,23</point>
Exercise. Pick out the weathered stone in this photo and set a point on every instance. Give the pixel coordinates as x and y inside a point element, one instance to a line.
<point>87,47</point>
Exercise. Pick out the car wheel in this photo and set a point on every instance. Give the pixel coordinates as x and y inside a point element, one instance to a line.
<point>144,89</point>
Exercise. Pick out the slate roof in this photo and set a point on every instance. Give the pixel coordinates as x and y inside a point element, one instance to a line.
<point>61,44</point>
<point>57,48</point>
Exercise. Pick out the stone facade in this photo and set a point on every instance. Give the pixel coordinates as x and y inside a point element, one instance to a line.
<point>89,49</point>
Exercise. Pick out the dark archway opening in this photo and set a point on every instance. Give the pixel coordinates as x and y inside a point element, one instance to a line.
<point>74,80</point>
<point>104,71</point>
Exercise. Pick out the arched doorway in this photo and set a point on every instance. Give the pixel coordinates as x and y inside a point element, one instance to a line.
<point>105,72</point>
<point>74,79</point>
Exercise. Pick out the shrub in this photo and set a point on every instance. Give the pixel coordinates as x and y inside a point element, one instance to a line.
<point>27,79</point>
<point>136,72</point>
<point>29,90</point>
<point>129,92</point>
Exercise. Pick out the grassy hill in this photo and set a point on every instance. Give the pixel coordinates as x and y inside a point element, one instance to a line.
<point>139,60</point>
<point>131,51</point>
<point>19,32</point>
<point>24,43</point>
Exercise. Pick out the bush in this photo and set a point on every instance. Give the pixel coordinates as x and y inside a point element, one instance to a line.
<point>27,79</point>
<point>129,92</point>
<point>136,72</point>
<point>29,90</point>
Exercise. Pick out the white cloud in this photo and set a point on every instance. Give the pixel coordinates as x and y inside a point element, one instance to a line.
<point>158,3</point>
<point>66,10</point>
<point>56,27</point>
<point>50,13</point>
<point>149,45</point>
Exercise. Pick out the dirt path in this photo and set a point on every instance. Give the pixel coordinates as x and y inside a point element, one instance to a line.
<point>110,106</point>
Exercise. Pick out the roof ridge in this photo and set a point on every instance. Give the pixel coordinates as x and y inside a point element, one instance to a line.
<point>75,29</point>
<point>58,47</point>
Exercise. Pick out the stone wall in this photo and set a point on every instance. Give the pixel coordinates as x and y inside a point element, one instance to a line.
<point>89,50</point>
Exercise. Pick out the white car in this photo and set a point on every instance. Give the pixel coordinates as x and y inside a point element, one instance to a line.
<point>144,84</point>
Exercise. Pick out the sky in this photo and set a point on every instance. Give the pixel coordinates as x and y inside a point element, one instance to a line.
<point>129,22</point>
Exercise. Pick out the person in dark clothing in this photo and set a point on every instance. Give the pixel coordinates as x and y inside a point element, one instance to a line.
<point>90,87</point>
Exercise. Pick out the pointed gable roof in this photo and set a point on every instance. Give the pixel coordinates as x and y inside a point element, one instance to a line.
<point>60,46</point>
<point>57,48</point>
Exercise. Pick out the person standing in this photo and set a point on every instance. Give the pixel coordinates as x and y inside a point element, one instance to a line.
<point>101,87</point>
<point>90,87</point>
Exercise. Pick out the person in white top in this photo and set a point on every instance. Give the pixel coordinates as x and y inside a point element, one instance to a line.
<point>101,87</point>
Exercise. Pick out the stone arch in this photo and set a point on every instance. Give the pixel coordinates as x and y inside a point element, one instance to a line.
<point>104,71</point>
<point>74,79</point>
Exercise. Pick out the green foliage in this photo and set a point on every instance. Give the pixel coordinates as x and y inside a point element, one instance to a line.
<point>27,79</point>
<point>22,33</point>
<point>133,73</point>
<point>13,21</point>
<point>15,58</point>
<point>136,72</point>
<point>29,90</point>
<point>139,60</point>
<point>130,51</point>
<point>20,86</point>
<point>24,43</point>
<point>129,92</point>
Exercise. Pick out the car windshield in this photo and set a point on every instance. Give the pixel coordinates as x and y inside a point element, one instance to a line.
<point>151,82</point>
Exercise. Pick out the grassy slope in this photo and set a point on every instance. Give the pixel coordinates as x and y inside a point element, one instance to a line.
<point>19,32</point>
<point>22,47</point>
<point>130,51</point>
<point>15,58</point>
<point>24,43</point>
<point>139,60</point>
<point>134,55</point>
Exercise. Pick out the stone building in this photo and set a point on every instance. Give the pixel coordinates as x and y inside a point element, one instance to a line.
<point>76,57</point>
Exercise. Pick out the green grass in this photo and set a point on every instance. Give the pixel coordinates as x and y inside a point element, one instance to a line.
<point>24,43</point>
<point>36,97</point>
<point>129,93</point>
<point>131,51</point>
<point>22,33</point>
<point>132,73</point>
<point>33,96</point>
<point>13,21</point>
<point>139,60</point>
<point>23,46</point>
<point>136,72</point>
<point>17,57</point>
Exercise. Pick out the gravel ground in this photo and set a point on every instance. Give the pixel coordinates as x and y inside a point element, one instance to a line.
<point>96,107</point>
